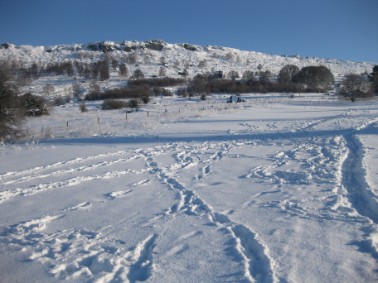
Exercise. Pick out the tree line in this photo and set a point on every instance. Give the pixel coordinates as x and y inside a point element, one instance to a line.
<point>290,79</point>
<point>14,106</point>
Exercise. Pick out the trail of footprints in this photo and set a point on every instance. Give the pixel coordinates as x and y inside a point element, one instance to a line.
<point>258,266</point>
<point>103,258</point>
<point>80,254</point>
<point>85,255</point>
<point>61,169</point>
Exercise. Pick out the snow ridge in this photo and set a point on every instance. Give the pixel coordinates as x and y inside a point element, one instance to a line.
<point>194,58</point>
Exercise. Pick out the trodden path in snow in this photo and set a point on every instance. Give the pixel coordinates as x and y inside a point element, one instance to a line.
<point>255,259</point>
<point>354,178</point>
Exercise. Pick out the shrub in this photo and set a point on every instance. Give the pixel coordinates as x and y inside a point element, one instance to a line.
<point>83,107</point>
<point>145,98</point>
<point>157,82</point>
<point>133,103</point>
<point>34,105</point>
<point>182,92</point>
<point>199,85</point>
<point>119,93</point>
<point>162,91</point>
<point>112,104</point>
<point>138,75</point>
<point>61,100</point>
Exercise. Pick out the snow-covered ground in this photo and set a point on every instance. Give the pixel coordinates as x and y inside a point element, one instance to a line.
<point>276,189</point>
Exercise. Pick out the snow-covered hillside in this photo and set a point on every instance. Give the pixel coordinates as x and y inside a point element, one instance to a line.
<point>196,59</point>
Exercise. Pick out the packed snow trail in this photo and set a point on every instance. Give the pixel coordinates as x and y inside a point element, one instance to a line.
<point>354,180</point>
<point>257,263</point>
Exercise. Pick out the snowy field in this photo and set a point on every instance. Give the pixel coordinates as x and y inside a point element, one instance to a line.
<point>276,189</point>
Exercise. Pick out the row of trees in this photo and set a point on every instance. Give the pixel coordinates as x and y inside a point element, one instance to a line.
<point>290,79</point>
<point>140,89</point>
<point>98,70</point>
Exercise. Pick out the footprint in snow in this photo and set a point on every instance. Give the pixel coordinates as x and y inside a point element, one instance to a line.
<point>117,194</point>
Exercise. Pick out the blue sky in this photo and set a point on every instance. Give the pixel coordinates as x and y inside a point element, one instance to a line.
<point>342,29</point>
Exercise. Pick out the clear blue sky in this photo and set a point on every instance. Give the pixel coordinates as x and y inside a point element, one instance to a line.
<point>342,29</point>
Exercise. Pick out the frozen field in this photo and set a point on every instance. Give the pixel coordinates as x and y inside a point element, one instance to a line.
<point>272,190</point>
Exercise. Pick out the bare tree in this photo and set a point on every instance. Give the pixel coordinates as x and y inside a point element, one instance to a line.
<point>123,71</point>
<point>374,78</point>
<point>248,76</point>
<point>264,76</point>
<point>233,75</point>
<point>12,112</point>
<point>163,61</point>
<point>287,73</point>
<point>115,64</point>
<point>132,58</point>
<point>103,67</point>
<point>162,72</point>
<point>138,74</point>
<point>77,91</point>
<point>355,86</point>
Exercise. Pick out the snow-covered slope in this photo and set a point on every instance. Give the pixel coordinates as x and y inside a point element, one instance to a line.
<point>196,59</point>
